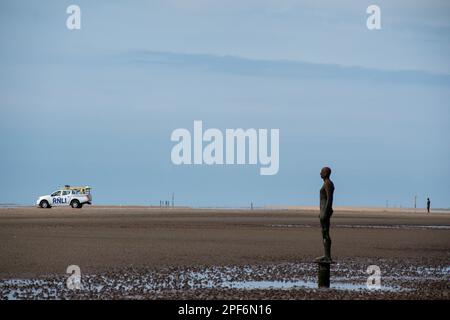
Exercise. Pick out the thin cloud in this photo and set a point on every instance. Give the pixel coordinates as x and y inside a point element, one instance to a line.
<point>230,64</point>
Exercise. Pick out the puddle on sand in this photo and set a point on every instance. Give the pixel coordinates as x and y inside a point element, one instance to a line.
<point>288,285</point>
<point>41,289</point>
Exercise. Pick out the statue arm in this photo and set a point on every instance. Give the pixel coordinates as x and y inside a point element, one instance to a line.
<point>329,191</point>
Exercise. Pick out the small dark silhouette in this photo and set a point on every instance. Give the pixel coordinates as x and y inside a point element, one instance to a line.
<point>428,205</point>
<point>326,211</point>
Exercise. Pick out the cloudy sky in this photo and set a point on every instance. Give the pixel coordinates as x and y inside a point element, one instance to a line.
<point>97,106</point>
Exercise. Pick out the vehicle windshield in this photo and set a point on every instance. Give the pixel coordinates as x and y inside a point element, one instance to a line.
<point>56,193</point>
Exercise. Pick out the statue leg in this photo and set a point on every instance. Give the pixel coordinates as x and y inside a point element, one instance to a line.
<point>326,237</point>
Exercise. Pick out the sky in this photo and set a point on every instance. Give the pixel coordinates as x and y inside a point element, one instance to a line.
<point>97,106</point>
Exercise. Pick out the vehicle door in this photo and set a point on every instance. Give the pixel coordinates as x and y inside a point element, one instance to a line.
<point>66,197</point>
<point>56,198</point>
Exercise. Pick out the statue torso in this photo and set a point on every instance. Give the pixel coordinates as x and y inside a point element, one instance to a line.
<point>323,194</point>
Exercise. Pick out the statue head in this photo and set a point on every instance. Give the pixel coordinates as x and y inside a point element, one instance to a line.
<point>325,173</point>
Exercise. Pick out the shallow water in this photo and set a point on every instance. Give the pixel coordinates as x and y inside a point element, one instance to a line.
<point>287,285</point>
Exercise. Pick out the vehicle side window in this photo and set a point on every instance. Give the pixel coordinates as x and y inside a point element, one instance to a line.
<point>66,192</point>
<point>57,193</point>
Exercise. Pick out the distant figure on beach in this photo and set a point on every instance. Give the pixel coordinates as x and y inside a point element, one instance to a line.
<point>428,205</point>
<point>326,211</point>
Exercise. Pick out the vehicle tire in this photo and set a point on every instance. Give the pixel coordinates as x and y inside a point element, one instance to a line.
<point>44,204</point>
<point>75,204</point>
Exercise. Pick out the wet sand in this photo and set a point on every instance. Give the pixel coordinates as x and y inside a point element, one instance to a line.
<point>135,242</point>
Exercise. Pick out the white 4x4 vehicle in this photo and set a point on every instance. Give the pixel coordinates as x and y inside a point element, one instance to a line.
<point>75,197</point>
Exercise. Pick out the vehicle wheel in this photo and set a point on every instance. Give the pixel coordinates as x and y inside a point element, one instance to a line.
<point>75,204</point>
<point>44,204</point>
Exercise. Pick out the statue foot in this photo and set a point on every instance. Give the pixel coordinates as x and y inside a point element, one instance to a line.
<point>319,259</point>
<point>323,259</point>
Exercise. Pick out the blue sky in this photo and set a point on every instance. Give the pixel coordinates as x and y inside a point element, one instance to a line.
<point>97,106</point>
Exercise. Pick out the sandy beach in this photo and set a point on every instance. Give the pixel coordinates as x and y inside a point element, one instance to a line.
<point>212,253</point>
